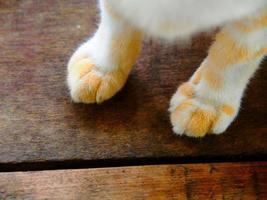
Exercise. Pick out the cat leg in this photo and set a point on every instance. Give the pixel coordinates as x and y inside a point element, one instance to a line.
<point>100,67</point>
<point>210,100</point>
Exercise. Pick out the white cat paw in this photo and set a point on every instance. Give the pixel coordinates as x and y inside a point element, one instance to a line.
<point>194,117</point>
<point>88,84</point>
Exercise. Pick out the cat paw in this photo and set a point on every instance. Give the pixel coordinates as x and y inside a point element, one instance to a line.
<point>88,84</point>
<point>195,116</point>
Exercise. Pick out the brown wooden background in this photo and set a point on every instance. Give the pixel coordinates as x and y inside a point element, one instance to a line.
<point>41,129</point>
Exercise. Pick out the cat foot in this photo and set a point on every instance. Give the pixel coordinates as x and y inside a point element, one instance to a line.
<point>88,84</point>
<point>195,116</point>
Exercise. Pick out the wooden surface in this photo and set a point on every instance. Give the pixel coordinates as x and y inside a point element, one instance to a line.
<point>38,122</point>
<point>41,129</point>
<point>203,181</point>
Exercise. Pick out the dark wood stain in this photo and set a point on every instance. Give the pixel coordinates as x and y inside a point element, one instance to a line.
<point>38,122</point>
<point>40,128</point>
<point>143,182</point>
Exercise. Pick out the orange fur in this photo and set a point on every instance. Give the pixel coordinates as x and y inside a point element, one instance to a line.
<point>261,52</point>
<point>212,76</point>
<point>200,123</point>
<point>84,92</point>
<point>181,107</point>
<point>229,110</point>
<point>225,51</point>
<point>184,105</point>
<point>93,86</point>
<point>198,114</point>
<point>186,89</point>
<point>96,85</point>
<point>82,67</point>
<point>110,84</point>
<point>126,47</point>
<point>197,76</point>
<point>252,24</point>
<point>111,11</point>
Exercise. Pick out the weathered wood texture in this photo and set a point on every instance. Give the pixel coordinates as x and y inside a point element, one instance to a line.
<point>202,181</point>
<point>39,122</point>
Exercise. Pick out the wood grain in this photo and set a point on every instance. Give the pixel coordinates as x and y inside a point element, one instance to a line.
<point>38,122</point>
<point>245,181</point>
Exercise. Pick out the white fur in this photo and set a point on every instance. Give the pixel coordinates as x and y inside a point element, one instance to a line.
<point>185,16</point>
<point>177,19</point>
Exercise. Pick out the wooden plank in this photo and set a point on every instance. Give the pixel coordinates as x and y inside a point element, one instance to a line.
<point>200,181</point>
<point>39,122</point>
